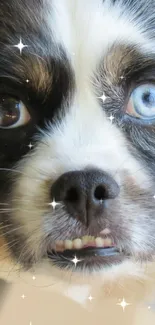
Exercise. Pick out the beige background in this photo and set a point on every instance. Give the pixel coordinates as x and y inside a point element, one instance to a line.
<point>50,300</point>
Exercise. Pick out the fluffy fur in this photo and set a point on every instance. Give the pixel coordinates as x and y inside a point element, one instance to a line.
<point>76,50</point>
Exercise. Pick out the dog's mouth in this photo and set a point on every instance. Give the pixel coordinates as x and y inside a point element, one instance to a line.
<point>85,252</point>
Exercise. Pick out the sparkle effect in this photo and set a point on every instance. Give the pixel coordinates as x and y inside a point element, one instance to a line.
<point>30,145</point>
<point>33,277</point>
<point>54,204</point>
<point>151,305</point>
<point>103,97</point>
<point>20,46</point>
<point>111,118</point>
<point>90,298</point>
<point>23,296</point>
<point>27,80</point>
<point>75,260</point>
<point>123,304</point>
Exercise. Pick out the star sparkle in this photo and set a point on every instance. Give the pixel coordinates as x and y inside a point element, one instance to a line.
<point>33,278</point>
<point>150,305</point>
<point>30,145</point>
<point>54,204</point>
<point>23,296</point>
<point>27,80</point>
<point>20,46</point>
<point>103,97</point>
<point>111,118</point>
<point>123,304</point>
<point>90,298</point>
<point>75,260</point>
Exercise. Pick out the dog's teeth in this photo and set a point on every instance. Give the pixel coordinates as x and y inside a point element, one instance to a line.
<point>85,241</point>
<point>107,242</point>
<point>77,243</point>
<point>68,244</point>
<point>99,242</point>
<point>60,243</point>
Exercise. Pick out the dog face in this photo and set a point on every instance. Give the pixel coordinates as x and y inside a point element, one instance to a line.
<point>77,127</point>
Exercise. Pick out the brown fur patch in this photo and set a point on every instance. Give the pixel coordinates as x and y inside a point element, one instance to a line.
<point>36,71</point>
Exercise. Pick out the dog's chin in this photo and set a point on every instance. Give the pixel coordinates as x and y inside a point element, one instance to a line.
<point>97,263</point>
<point>92,260</point>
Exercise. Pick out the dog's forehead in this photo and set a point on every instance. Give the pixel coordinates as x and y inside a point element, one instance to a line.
<point>88,29</point>
<point>76,34</point>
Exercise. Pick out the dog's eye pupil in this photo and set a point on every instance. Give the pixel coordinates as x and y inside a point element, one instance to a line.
<point>9,111</point>
<point>148,98</point>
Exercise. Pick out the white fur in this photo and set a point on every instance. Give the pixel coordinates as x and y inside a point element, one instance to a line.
<point>87,29</point>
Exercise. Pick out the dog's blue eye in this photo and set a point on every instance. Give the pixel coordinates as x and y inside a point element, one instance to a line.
<point>13,113</point>
<point>142,102</point>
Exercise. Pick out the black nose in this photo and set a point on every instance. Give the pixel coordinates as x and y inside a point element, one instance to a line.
<point>84,193</point>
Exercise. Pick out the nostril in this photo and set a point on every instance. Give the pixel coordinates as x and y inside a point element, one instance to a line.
<point>100,193</point>
<point>72,195</point>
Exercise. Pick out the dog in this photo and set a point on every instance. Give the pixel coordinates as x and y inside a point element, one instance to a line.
<point>77,130</point>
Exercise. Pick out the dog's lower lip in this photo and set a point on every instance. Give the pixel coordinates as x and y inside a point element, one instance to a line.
<point>87,258</point>
<point>86,252</point>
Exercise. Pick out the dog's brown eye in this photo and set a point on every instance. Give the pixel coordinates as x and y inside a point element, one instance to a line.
<point>142,102</point>
<point>13,112</point>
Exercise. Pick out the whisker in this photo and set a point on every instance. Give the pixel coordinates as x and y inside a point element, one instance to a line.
<point>10,231</point>
<point>8,244</point>
<point>19,258</point>
<point>14,242</point>
<point>11,270</point>
<point>21,253</point>
<point>18,209</point>
<point>4,203</point>
<point>132,174</point>
<point>25,200</point>
<point>1,223</point>
<point>8,209</point>
<point>121,165</point>
<point>40,171</point>
<point>5,226</point>
<point>17,171</point>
